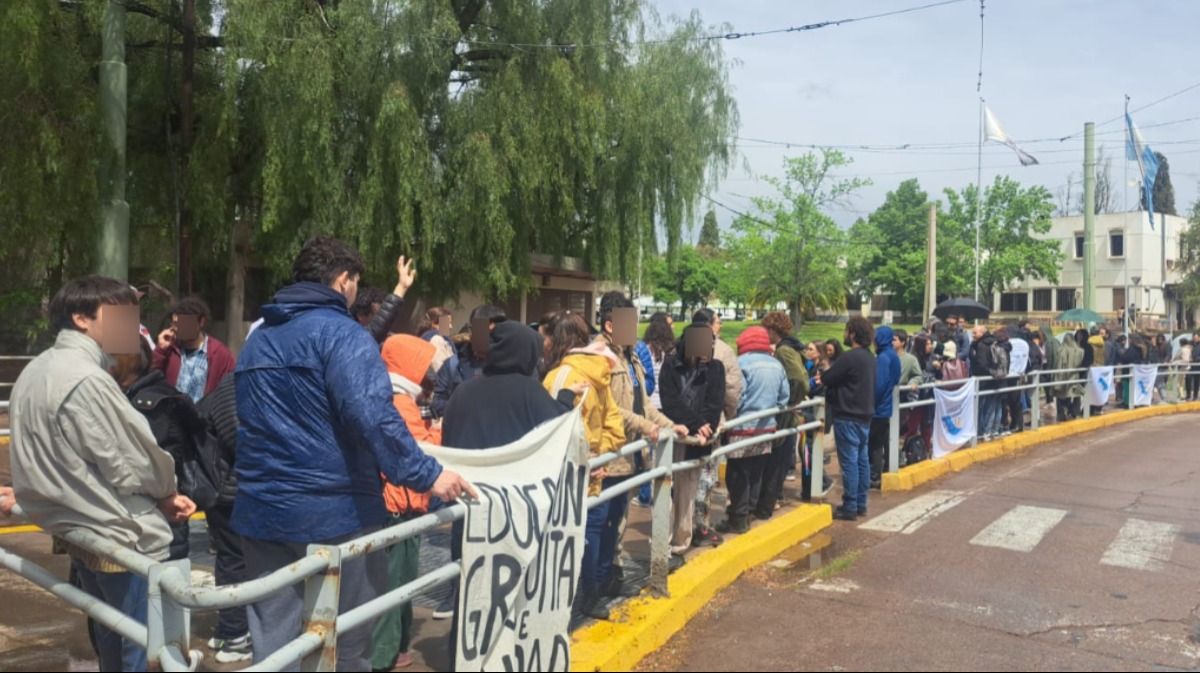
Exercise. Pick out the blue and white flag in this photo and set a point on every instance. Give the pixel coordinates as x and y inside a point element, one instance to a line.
<point>955,415</point>
<point>1137,150</point>
<point>1101,386</point>
<point>1143,385</point>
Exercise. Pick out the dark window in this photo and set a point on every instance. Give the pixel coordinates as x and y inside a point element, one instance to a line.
<point>1116,244</point>
<point>1042,300</point>
<point>1066,298</point>
<point>1078,246</point>
<point>1014,302</point>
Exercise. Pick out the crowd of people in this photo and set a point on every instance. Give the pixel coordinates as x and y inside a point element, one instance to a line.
<point>311,435</point>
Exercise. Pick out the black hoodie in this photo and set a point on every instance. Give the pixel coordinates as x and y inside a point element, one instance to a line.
<point>507,402</point>
<point>692,396</point>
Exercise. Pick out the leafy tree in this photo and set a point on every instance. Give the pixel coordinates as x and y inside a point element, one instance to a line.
<point>796,251</point>
<point>1189,289</point>
<point>1013,221</point>
<point>710,233</point>
<point>691,281</point>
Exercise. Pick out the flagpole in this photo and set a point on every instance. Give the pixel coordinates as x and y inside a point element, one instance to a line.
<point>979,198</point>
<point>1125,215</point>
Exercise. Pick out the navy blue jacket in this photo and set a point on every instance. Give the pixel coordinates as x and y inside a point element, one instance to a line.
<point>317,424</point>
<point>887,371</point>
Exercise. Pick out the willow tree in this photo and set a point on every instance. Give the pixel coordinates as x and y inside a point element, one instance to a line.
<point>471,133</point>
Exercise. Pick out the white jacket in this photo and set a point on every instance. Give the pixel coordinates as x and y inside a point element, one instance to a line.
<point>82,456</point>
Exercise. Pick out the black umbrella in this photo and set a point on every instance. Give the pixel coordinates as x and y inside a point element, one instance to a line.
<point>969,309</point>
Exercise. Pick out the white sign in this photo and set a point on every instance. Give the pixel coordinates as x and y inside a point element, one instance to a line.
<point>1143,385</point>
<point>522,548</point>
<point>889,317</point>
<point>955,424</point>
<point>1018,359</point>
<point>1101,386</point>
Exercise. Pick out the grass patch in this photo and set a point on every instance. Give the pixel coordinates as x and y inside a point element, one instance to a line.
<point>839,565</point>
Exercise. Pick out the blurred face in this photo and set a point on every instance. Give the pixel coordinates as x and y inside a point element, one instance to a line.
<point>829,352</point>
<point>716,325</point>
<point>979,332</point>
<point>812,353</point>
<point>897,343</point>
<point>952,323</point>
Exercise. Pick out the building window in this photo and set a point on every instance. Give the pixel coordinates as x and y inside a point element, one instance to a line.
<point>1078,245</point>
<point>1014,302</point>
<point>1043,300</point>
<point>1066,298</point>
<point>1118,298</point>
<point>1116,244</point>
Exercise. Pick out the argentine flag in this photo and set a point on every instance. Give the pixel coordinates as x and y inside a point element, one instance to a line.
<point>1137,150</point>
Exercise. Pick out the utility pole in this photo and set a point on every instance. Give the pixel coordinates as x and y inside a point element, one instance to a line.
<point>1089,216</point>
<point>931,266</point>
<point>113,258</point>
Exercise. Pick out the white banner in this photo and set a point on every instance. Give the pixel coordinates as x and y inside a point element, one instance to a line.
<point>1101,386</point>
<point>522,548</point>
<point>1018,359</point>
<point>956,423</point>
<point>1143,385</point>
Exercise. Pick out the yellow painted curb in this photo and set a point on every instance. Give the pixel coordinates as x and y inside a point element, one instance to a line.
<point>645,624</point>
<point>910,477</point>
<point>4,440</point>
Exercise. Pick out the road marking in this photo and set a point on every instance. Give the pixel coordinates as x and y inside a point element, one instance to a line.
<point>1021,529</point>
<point>1141,545</point>
<point>909,517</point>
<point>835,586</point>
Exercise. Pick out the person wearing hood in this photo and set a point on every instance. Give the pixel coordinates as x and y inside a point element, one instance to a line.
<point>410,364</point>
<point>766,387</point>
<point>317,427</point>
<point>887,377</point>
<point>577,360</point>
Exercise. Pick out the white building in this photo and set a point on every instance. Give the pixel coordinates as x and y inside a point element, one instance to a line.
<point>1129,270</point>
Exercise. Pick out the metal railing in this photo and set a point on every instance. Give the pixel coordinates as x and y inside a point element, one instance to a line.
<point>1035,383</point>
<point>172,598</point>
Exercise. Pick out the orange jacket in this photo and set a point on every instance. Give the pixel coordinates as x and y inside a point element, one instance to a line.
<point>408,359</point>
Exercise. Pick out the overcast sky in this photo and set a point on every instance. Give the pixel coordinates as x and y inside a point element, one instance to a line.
<point>1049,66</point>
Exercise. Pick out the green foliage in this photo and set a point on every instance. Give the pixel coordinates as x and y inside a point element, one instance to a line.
<point>710,232</point>
<point>404,127</point>
<point>1014,220</point>
<point>793,251</point>
<point>1189,289</point>
<point>890,248</point>
<point>691,281</point>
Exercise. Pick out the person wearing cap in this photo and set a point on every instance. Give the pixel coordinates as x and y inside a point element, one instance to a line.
<point>765,387</point>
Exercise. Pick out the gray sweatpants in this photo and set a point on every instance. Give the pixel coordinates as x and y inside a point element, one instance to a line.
<point>276,621</point>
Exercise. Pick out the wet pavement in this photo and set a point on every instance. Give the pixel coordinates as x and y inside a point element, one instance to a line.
<point>1079,555</point>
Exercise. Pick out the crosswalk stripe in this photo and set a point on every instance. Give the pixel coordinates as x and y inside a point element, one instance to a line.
<point>1141,545</point>
<point>1020,529</point>
<point>909,517</point>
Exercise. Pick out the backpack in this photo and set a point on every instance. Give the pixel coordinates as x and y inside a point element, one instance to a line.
<point>954,370</point>
<point>998,361</point>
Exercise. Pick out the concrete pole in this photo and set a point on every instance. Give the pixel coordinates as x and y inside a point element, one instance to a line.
<point>113,252</point>
<point>931,266</point>
<point>1089,216</point>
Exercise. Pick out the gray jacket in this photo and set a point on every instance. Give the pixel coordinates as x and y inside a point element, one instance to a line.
<point>82,456</point>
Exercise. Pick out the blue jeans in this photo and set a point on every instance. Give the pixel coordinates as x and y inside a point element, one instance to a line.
<point>854,457</point>
<point>127,593</point>
<point>593,543</point>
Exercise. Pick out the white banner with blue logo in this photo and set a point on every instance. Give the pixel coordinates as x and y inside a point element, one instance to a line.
<point>1101,386</point>
<point>1143,385</point>
<point>955,426</point>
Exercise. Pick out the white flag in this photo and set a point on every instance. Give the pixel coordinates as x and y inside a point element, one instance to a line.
<point>1143,385</point>
<point>996,132</point>
<point>522,548</point>
<point>1100,386</point>
<point>955,426</point>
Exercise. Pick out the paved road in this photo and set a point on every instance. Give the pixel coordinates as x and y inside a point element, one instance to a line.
<point>1081,555</point>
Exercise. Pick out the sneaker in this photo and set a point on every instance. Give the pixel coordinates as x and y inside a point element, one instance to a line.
<point>677,561</point>
<point>445,609</point>
<point>618,588</point>
<point>791,477</point>
<point>706,537</point>
<point>233,651</point>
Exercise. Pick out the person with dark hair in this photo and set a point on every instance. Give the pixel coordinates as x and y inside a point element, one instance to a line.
<point>83,458</point>
<point>315,406</point>
<point>577,360</point>
<point>693,394</point>
<point>660,341</point>
<point>791,355</point>
<point>833,350</point>
<point>194,363</point>
<point>852,380</point>
<point>465,364</point>
<point>367,305</point>
<point>887,377</point>
<point>962,338</point>
<point>734,383</point>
